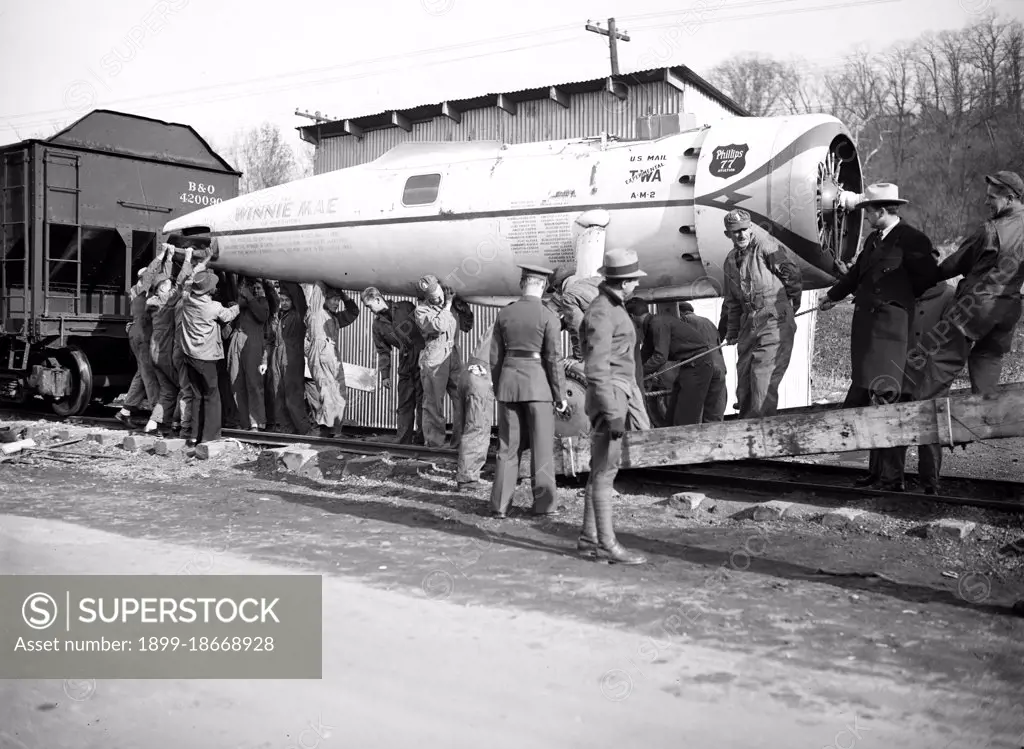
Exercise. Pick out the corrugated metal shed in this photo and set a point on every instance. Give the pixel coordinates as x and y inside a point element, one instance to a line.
<point>570,110</point>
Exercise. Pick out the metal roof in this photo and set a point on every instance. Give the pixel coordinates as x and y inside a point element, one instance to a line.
<point>124,134</point>
<point>676,75</point>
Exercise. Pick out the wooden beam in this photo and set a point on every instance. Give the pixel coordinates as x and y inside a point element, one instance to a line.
<point>400,120</point>
<point>558,95</point>
<point>507,104</point>
<point>451,112</point>
<point>352,129</point>
<point>616,88</point>
<point>954,420</point>
<point>674,80</point>
<point>812,430</point>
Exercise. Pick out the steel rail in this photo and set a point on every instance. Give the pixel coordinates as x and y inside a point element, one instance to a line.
<point>679,480</point>
<point>681,477</point>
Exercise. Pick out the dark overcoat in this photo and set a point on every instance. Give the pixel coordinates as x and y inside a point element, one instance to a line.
<point>885,280</point>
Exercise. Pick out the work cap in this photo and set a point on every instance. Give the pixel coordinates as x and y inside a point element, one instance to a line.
<point>737,219</point>
<point>559,276</point>
<point>685,307</point>
<point>429,284</point>
<point>621,264</point>
<point>636,307</point>
<point>370,293</point>
<point>1009,180</point>
<point>535,271</point>
<point>204,282</point>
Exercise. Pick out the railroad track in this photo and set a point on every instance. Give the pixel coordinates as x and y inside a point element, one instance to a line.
<point>785,477</point>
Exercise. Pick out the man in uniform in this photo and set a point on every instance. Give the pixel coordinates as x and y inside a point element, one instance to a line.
<point>476,398</point>
<point>608,339</point>
<point>573,295</point>
<point>527,378</point>
<point>394,327</point>
<point>890,272</point>
<point>978,328</point>
<point>438,326</point>
<point>762,295</point>
<point>710,398</point>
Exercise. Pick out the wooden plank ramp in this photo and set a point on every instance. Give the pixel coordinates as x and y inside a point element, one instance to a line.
<point>958,419</point>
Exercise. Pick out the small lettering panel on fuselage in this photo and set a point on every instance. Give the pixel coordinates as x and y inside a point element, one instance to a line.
<point>546,234</point>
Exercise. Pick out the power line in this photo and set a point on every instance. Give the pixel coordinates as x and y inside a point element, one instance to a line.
<point>795,11</point>
<point>263,89</point>
<point>311,71</point>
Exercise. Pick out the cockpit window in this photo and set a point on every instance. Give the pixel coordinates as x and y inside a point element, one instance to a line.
<point>421,189</point>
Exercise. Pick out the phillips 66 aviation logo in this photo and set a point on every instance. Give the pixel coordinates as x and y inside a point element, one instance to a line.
<point>728,160</point>
<point>39,610</point>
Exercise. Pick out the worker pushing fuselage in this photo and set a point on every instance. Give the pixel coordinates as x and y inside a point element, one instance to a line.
<point>472,211</point>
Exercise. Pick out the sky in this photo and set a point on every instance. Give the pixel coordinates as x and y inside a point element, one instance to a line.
<point>226,65</point>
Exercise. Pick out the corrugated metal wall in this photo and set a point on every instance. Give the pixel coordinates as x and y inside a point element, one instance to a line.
<point>588,114</point>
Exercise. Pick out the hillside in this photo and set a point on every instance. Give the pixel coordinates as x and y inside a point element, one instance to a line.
<point>830,367</point>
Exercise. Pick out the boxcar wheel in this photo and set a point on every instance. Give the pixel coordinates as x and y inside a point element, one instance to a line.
<point>75,360</point>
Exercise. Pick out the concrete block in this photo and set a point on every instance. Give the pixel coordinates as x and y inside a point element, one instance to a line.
<point>37,431</point>
<point>135,442</point>
<point>691,501</point>
<point>215,449</point>
<point>106,438</point>
<point>774,510</point>
<point>62,436</point>
<point>413,468</point>
<point>369,466</point>
<point>297,458</point>
<point>958,530</point>
<point>169,447</point>
<point>269,461</point>
<point>846,518</point>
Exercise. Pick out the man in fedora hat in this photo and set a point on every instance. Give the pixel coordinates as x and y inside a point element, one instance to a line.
<point>978,327</point>
<point>608,338</point>
<point>525,346</point>
<point>891,271</point>
<point>762,295</point>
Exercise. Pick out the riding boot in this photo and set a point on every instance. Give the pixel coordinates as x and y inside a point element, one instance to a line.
<point>587,543</point>
<point>608,546</point>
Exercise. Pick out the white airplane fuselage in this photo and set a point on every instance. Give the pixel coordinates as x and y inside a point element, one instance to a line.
<point>469,212</point>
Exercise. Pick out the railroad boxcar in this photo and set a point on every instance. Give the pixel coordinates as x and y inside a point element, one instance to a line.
<point>80,213</point>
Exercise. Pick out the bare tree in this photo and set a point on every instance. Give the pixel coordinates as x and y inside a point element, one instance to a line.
<point>759,84</point>
<point>263,157</point>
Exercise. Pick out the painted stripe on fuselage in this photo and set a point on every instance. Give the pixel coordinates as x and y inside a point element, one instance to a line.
<point>539,211</point>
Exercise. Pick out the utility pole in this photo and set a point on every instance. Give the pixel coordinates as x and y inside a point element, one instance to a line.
<point>613,38</point>
<point>317,117</point>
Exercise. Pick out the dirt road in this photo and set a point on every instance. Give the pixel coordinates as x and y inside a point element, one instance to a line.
<point>445,629</point>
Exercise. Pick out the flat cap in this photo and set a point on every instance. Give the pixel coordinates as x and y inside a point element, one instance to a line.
<point>636,307</point>
<point>429,284</point>
<point>1009,180</point>
<point>685,307</point>
<point>737,219</point>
